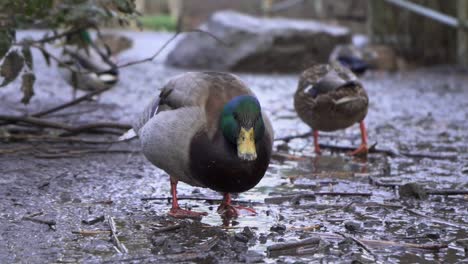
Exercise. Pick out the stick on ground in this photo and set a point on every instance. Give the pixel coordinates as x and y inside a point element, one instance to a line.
<point>115,240</point>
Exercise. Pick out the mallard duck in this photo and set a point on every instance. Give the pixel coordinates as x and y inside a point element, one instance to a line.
<point>330,97</point>
<point>85,66</point>
<point>206,129</point>
<point>86,70</point>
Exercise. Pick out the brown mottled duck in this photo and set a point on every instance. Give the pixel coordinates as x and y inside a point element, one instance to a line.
<point>330,97</point>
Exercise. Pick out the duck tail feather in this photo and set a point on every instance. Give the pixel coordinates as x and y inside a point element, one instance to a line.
<point>130,134</point>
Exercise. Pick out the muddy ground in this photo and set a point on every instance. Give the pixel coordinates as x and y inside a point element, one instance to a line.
<point>62,185</point>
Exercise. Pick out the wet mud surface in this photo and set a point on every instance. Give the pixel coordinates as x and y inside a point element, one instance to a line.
<point>54,196</point>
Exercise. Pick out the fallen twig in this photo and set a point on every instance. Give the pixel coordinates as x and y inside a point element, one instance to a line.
<point>167,228</point>
<point>294,245</point>
<point>437,220</point>
<point>50,223</point>
<point>385,243</point>
<point>44,138</point>
<point>307,228</point>
<point>358,242</point>
<point>429,155</point>
<point>295,197</point>
<point>373,149</point>
<point>91,232</point>
<point>366,194</point>
<point>379,183</point>
<point>208,245</point>
<point>113,233</point>
<point>79,153</point>
<point>105,202</point>
<point>303,247</point>
<point>446,192</point>
<point>14,150</point>
<point>35,214</point>
<point>57,125</point>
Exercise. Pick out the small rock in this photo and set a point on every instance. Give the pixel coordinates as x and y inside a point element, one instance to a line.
<point>433,235</point>
<point>412,190</point>
<point>278,228</point>
<point>241,237</point>
<point>251,257</point>
<point>345,244</point>
<point>248,232</point>
<point>262,239</point>
<point>465,170</point>
<point>158,241</point>
<point>65,197</point>
<point>281,217</point>
<point>411,231</point>
<point>171,247</point>
<point>239,247</point>
<point>352,226</point>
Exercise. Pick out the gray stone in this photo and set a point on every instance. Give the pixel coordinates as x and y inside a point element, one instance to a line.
<point>257,44</point>
<point>412,190</point>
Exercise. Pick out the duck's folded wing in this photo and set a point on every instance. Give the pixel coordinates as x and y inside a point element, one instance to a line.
<point>150,110</point>
<point>141,120</point>
<point>181,91</point>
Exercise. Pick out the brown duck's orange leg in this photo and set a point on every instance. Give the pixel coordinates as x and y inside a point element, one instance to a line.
<point>178,212</point>
<point>316,144</point>
<point>229,210</point>
<point>362,150</point>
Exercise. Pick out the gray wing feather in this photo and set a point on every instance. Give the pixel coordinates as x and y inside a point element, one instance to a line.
<point>150,110</point>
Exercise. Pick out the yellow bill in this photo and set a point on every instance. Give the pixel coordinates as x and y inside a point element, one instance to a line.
<point>246,144</point>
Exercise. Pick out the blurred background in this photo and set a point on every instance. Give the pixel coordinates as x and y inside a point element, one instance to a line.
<point>427,34</point>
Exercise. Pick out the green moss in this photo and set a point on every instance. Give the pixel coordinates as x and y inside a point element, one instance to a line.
<point>159,22</point>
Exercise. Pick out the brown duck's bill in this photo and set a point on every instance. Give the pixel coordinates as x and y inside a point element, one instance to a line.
<point>246,144</point>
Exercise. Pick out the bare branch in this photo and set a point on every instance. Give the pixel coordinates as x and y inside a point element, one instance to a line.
<point>51,38</point>
<point>71,103</point>
<point>57,125</point>
<point>166,44</point>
